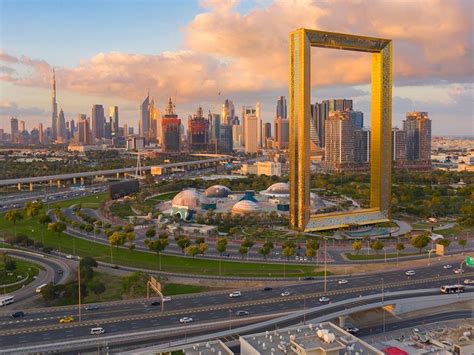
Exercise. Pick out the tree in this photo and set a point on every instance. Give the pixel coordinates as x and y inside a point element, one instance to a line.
<point>200,240</point>
<point>32,208</point>
<point>400,247</point>
<point>420,241</point>
<point>10,264</point>
<point>248,243</point>
<point>377,245</point>
<point>357,246</point>
<point>462,243</point>
<point>150,232</point>
<point>13,216</point>
<point>88,262</point>
<point>183,242</point>
<point>264,251</point>
<point>97,287</point>
<point>444,242</point>
<point>221,245</point>
<point>57,227</point>
<point>192,250</point>
<point>157,246</point>
<point>243,250</point>
<point>127,229</point>
<point>117,239</point>
<point>203,248</point>
<point>310,253</point>
<point>288,251</point>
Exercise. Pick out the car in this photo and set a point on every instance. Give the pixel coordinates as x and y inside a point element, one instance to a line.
<point>18,314</point>
<point>352,330</point>
<point>342,282</point>
<point>185,320</point>
<point>285,293</point>
<point>468,282</point>
<point>242,313</point>
<point>155,303</point>
<point>97,330</point>
<point>166,299</point>
<point>309,278</point>
<point>235,294</point>
<point>458,271</point>
<point>267,288</point>
<point>324,299</point>
<point>67,319</point>
<point>115,267</point>
<point>69,256</point>
<point>410,273</point>
<point>447,266</point>
<point>92,307</point>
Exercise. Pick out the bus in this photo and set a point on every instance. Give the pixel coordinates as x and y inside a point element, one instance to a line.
<point>452,289</point>
<point>6,300</point>
<point>40,287</point>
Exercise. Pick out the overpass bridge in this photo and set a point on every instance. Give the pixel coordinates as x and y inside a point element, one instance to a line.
<point>122,172</point>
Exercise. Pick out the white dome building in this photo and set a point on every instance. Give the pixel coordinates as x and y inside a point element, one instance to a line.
<point>279,189</point>
<point>190,198</point>
<point>245,206</point>
<point>217,191</point>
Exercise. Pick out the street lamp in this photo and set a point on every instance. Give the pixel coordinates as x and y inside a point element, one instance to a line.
<point>230,318</point>
<point>325,264</point>
<point>383,309</point>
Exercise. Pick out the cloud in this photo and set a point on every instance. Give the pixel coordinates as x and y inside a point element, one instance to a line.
<point>244,54</point>
<point>8,108</point>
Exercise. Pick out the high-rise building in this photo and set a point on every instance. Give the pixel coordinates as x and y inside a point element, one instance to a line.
<point>108,129</point>
<point>98,122</point>
<point>339,140</point>
<point>225,138</point>
<point>72,128</point>
<point>357,118</point>
<point>84,133</point>
<point>54,115</point>
<point>281,110</point>
<point>144,123</point>
<point>170,126</point>
<point>237,137</point>
<point>247,110</point>
<point>154,133</point>
<point>198,131</point>
<point>14,130</point>
<point>320,113</point>
<point>418,129</point>
<point>228,112</point>
<point>258,113</point>
<point>282,133</point>
<point>40,134</point>
<point>114,116</point>
<point>267,134</point>
<point>399,145</point>
<point>361,145</point>
<point>339,104</point>
<point>61,134</point>
<point>251,133</point>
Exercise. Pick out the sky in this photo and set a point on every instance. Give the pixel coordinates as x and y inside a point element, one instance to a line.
<point>199,53</point>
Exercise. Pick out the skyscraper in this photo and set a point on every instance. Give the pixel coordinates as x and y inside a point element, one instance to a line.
<point>247,110</point>
<point>399,145</point>
<point>281,110</point>
<point>14,130</point>
<point>228,112</point>
<point>40,134</point>
<point>357,118</point>
<point>83,130</point>
<point>144,123</point>
<point>339,140</point>
<point>282,133</point>
<point>361,145</point>
<point>198,131</point>
<point>54,115</point>
<point>170,126</point>
<point>258,113</point>
<point>237,137</point>
<point>320,113</point>
<point>225,138</point>
<point>114,115</point>
<point>61,133</point>
<point>267,133</point>
<point>418,128</point>
<point>98,122</point>
<point>251,133</point>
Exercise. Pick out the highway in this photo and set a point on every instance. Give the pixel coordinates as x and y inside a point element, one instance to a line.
<point>41,325</point>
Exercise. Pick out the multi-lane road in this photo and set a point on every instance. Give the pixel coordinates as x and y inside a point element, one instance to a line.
<point>40,325</point>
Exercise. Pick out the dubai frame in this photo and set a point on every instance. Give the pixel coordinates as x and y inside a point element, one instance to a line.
<point>301,41</point>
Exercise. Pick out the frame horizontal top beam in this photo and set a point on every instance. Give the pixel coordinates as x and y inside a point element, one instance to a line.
<point>345,41</point>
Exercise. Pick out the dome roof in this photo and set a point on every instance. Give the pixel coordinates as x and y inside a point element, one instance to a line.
<point>279,188</point>
<point>190,198</point>
<point>245,206</point>
<point>217,191</point>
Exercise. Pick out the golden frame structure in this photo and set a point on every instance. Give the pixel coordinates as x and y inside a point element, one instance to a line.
<point>301,41</point>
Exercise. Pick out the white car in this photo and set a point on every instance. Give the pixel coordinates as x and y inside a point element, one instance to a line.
<point>69,256</point>
<point>342,282</point>
<point>235,294</point>
<point>285,293</point>
<point>186,320</point>
<point>166,299</point>
<point>410,273</point>
<point>468,282</point>
<point>447,266</point>
<point>324,299</point>
<point>458,271</point>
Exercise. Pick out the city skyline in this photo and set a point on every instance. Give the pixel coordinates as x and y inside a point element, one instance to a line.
<point>197,71</point>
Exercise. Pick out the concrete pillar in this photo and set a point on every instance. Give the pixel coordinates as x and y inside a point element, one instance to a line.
<point>118,175</point>
<point>19,187</point>
<point>74,180</point>
<point>31,186</point>
<point>342,321</point>
<point>82,181</point>
<point>58,183</point>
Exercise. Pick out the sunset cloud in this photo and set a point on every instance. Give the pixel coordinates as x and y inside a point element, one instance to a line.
<point>233,53</point>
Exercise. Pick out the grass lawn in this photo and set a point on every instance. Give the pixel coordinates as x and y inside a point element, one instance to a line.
<point>378,256</point>
<point>92,201</point>
<point>122,209</point>
<point>180,289</point>
<point>451,232</point>
<point>23,268</point>
<point>163,197</point>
